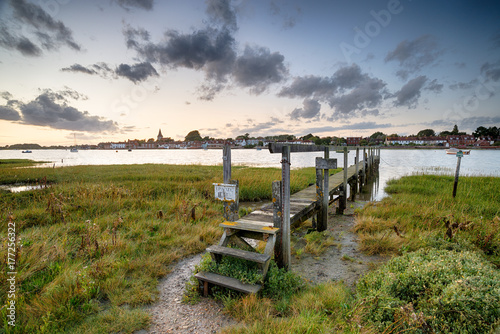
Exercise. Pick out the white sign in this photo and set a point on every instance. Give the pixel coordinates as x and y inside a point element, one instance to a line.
<point>225,192</point>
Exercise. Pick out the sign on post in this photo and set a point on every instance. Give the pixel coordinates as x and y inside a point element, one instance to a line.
<point>225,192</point>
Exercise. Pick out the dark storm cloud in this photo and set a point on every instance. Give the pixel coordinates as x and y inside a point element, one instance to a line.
<point>50,33</point>
<point>208,49</point>
<point>258,68</point>
<point>220,11</point>
<point>348,90</point>
<point>137,72</point>
<point>51,109</point>
<point>414,55</point>
<point>141,4</point>
<point>311,109</point>
<point>409,94</point>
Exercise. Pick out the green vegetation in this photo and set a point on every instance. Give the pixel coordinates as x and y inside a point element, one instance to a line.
<point>443,277</point>
<point>91,246</point>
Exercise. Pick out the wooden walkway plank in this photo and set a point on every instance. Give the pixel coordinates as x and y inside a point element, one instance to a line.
<point>227,282</point>
<point>240,254</point>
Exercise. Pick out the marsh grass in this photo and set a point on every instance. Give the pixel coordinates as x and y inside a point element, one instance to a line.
<point>422,212</point>
<point>92,246</point>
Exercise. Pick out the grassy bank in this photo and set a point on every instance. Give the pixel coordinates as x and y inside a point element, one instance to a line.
<point>443,276</point>
<point>92,243</point>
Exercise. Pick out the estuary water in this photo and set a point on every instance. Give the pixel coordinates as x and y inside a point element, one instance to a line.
<point>394,163</point>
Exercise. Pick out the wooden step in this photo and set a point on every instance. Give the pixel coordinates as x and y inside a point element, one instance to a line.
<point>238,253</point>
<point>227,282</point>
<point>260,227</point>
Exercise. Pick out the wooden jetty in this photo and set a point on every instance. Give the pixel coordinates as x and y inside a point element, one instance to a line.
<point>272,222</point>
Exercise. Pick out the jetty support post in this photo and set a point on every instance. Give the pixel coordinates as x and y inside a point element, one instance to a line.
<point>322,190</point>
<point>343,188</point>
<point>277,217</point>
<point>457,171</point>
<point>285,204</point>
<point>231,209</point>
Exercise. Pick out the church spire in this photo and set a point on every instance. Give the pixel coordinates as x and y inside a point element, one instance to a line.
<point>160,136</point>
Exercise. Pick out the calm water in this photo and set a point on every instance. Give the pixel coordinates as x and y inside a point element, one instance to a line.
<point>393,163</point>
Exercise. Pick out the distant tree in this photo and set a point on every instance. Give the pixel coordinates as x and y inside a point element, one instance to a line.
<point>193,136</point>
<point>150,140</point>
<point>363,142</point>
<point>455,130</point>
<point>445,133</point>
<point>393,135</point>
<point>492,132</point>
<point>378,135</point>
<point>309,136</point>
<point>426,133</point>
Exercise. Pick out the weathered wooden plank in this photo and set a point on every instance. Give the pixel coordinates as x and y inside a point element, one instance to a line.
<point>227,282</point>
<point>239,253</point>
<point>249,226</point>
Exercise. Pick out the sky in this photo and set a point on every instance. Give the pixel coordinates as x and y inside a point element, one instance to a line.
<point>111,70</point>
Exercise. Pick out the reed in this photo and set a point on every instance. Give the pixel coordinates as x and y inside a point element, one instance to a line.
<point>93,243</point>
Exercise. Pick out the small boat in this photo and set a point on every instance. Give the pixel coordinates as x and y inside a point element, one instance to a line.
<point>454,151</point>
<point>27,151</point>
<point>130,150</point>
<point>73,149</point>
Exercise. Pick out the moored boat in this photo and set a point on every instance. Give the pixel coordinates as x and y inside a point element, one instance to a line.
<point>454,151</point>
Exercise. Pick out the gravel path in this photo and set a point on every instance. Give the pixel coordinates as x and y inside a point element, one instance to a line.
<point>170,315</point>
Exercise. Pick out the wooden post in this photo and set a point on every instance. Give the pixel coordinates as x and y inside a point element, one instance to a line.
<point>356,179</point>
<point>319,196</point>
<point>277,217</point>
<point>322,192</point>
<point>285,225</point>
<point>343,190</point>
<point>455,184</point>
<point>226,162</point>
<point>231,209</point>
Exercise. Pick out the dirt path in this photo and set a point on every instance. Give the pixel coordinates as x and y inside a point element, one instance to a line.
<point>340,262</point>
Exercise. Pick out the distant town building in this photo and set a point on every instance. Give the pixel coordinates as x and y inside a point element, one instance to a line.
<point>353,141</point>
<point>460,140</point>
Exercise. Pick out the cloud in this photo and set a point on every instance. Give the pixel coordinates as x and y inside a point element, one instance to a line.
<point>348,90</point>
<point>289,16</point>
<point>141,4</point>
<point>51,109</point>
<point>414,55</point>
<point>207,49</point>
<point>46,33</point>
<point>9,114</point>
<point>409,94</point>
<point>491,71</point>
<point>463,85</point>
<point>258,68</point>
<point>137,72</point>
<point>220,11</point>
<point>311,109</point>
<point>354,126</point>
<point>434,86</point>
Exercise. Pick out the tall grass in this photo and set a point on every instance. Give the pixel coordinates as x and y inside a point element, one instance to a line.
<point>93,244</point>
<point>422,212</point>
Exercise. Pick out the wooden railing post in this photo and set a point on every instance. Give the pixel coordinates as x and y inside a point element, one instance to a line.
<point>277,220</point>
<point>285,225</point>
<point>231,209</point>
